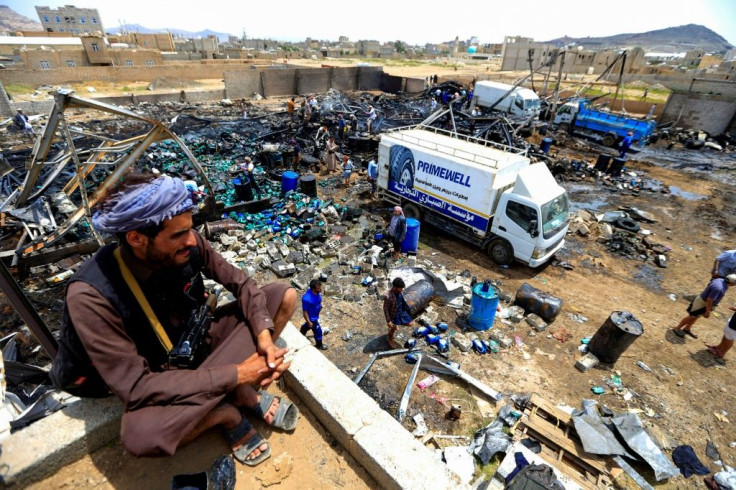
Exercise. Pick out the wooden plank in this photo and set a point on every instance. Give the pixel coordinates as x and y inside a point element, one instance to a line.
<point>575,449</point>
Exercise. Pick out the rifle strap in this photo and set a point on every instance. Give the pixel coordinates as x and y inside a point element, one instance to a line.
<point>143,302</point>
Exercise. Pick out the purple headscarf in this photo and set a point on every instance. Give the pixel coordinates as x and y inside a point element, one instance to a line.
<point>142,205</point>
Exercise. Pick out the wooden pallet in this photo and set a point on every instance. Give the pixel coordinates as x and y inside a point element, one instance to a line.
<point>554,429</point>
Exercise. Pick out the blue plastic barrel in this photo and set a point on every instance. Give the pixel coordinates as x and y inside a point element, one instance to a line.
<point>546,145</point>
<point>411,240</point>
<point>483,306</point>
<point>289,181</point>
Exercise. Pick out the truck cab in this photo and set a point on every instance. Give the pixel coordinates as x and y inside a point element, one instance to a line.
<point>531,218</point>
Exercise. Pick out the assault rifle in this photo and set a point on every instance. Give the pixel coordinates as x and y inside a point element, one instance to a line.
<point>191,349</point>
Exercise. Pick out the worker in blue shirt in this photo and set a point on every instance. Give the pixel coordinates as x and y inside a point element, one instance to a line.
<point>311,306</point>
<point>373,176</point>
<point>626,143</point>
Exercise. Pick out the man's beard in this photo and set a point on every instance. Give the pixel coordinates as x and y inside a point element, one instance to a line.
<point>156,258</point>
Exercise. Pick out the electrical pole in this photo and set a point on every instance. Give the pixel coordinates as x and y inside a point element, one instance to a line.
<point>557,87</point>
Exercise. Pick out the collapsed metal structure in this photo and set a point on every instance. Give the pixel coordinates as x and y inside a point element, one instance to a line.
<point>116,155</point>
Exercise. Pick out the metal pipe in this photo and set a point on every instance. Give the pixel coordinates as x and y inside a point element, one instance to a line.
<point>373,358</point>
<point>26,311</point>
<point>407,391</point>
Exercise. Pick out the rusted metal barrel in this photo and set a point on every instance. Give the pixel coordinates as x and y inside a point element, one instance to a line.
<point>418,296</point>
<point>213,229</point>
<point>616,334</point>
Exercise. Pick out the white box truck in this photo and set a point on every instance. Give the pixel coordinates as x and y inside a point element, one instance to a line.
<point>491,197</point>
<point>520,102</point>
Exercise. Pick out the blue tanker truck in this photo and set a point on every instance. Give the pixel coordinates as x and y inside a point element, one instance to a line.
<point>607,128</point>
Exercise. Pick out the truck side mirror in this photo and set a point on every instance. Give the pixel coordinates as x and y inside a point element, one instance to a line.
<point>533,231</point>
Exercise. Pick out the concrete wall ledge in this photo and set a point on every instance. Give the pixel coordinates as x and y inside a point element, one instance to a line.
<point>49,444</point>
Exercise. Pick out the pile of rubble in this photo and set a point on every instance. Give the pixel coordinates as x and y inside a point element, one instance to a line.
<point>622,234</point>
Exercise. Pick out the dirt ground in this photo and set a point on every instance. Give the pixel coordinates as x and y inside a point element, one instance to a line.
<point>686,399</point>
<point>306,458</point>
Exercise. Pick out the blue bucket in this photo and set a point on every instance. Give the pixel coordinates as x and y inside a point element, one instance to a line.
<point>289,181</point>
<point>411,240</point>
<point>483,306</point>
<point>546,145</point>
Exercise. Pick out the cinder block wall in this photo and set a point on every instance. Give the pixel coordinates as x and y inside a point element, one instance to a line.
<point>278,82</point>
<point>275,82</point>
<point>711,113</point>
<point>369,77</point>
<point>6,107</point>
<point>314,80</point>
<point>345,79</point>
<point>242,84</point>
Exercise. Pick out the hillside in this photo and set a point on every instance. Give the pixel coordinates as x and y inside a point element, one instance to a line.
<point>222,36</point>
<point>671,39</point>
<point>12,21</point>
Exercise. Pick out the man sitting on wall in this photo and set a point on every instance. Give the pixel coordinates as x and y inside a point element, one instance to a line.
<point>126,309</point>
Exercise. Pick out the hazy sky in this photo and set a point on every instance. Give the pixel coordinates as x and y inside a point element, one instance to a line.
<point>413,22</point>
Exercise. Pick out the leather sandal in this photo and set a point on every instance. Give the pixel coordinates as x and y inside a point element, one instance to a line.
<point>255,441</point>
<point>286,414</point>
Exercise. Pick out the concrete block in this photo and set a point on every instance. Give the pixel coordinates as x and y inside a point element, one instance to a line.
<point>516,314</point>
<point>536,322</point>
<point>462,342</point>
<point>586,362</point>
<point>43,448</point>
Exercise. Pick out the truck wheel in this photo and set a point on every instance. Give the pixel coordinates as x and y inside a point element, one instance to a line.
<point>402,166</point>
<point>564,127</point>
<point>412,211</point>
<point>500,251</point>
<point>608,140</point>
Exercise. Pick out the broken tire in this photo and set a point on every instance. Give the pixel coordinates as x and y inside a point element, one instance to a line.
<point>500,251</point>
<point>627,224</point>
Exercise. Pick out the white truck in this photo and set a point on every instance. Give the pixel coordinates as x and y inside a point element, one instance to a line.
<point>520,102</point>
<point>491,197</point>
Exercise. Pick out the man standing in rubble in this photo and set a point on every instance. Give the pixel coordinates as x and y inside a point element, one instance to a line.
<point>331,149</point>
<point>248,168</point>
<point>626,144</point>
<point>396,311</point>
<point>311,306</point>
<point>373,176</point>
<point>20,121</point>
<point>371,118</point>
<point>397,230</point>
<point>290,108</point>
<point>126,309</point>
<point>340,127</point>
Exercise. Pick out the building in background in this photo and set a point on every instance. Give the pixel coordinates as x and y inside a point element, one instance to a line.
<point>70,19</point>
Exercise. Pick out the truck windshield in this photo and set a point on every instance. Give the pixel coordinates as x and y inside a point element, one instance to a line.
<point>555,215</point>
<point>532,104</point>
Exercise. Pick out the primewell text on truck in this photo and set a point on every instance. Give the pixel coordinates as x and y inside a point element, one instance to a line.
<point>490,197</point>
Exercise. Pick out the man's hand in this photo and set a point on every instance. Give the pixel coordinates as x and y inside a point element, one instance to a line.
<point>254,370</point>
<point>267,348</point>
<point>390,324</point>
